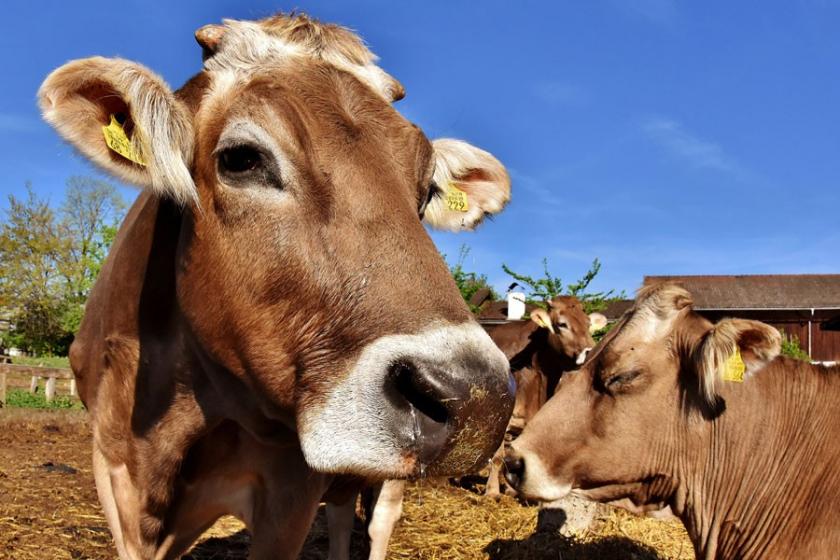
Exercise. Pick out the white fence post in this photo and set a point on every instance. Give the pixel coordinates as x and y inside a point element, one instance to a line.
<point>73,387</point>
<point>33,385</point>
<point>49,393</point>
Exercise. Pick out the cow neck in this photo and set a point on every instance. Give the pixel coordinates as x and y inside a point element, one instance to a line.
<point>740,473</point>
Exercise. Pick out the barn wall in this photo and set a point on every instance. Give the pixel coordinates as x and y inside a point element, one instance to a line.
<point>826,344</point>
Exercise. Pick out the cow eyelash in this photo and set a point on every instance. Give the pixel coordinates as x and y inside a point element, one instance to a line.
<point>621,379</point>
<point>434,190</point>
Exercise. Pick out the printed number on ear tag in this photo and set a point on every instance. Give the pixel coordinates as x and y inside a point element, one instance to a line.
<point>117,140</point>
<point>733,369</point>
<point>456,199</point>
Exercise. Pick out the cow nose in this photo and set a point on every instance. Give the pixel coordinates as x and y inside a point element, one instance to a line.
<point>431,396</point>
<point>514,469</point>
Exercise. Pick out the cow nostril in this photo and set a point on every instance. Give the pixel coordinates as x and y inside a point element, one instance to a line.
<point>420,390</point>
<point>514,470</point>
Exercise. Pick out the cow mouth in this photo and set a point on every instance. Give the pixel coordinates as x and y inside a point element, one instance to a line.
<point>607,491</point>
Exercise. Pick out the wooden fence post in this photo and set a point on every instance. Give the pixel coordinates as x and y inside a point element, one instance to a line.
<point>49,393</point>
<point>33,385</point>
<point>2,389</point>
<point>73,387</point>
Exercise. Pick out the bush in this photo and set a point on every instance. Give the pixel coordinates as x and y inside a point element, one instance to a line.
<point>791,347</point>
<point>21,398</point>
<point>469,282</point>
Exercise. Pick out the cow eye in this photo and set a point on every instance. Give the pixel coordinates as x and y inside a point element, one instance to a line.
<point>621,379</point>
<point>433,191</point>
<point>239,159</point>
<point>561,325</point>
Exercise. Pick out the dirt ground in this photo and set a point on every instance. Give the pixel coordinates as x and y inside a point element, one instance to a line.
<point>49,510</point>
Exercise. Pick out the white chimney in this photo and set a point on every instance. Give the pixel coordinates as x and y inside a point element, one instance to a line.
<point>516,305</point>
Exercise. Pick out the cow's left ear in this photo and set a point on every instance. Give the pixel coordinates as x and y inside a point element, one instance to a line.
<point>597,322</point>
<point>472,183</point>
<point>543,319</point>
<point>733,350</point>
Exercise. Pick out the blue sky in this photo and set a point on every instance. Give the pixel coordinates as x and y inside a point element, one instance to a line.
<point>663,137</point>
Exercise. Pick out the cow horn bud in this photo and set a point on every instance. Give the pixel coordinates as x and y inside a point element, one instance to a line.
<point>209,37</point>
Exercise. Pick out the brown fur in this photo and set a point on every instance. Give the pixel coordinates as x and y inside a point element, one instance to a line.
<point>751,471</point>
<point>225,310</point>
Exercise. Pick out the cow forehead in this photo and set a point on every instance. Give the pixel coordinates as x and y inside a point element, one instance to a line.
<point>249,46</point>
<point>317,108</point>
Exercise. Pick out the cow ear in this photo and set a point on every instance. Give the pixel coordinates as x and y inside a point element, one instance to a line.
<point>543,319</point>
<point>472,183</point>
<point>596,322</point>
<point>733,350</point>
<point>125,119</point>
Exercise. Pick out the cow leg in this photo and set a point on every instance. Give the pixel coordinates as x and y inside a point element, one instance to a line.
<point>285,504</point>
<point>386,509</point>
<point>105,490</point>
<point>493,490</point>
<point>340,520</point>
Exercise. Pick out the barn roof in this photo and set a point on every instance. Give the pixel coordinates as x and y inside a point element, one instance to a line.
<point>760,291</point>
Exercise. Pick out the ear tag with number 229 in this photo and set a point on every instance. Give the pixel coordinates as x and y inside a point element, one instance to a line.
<point>456,199</point>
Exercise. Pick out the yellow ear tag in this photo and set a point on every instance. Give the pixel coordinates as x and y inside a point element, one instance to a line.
<point>733,369</point>
<point>117,140</point>
<point>456,199</point>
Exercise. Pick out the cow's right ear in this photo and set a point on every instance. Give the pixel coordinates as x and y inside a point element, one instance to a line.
<point>472,184</point>
<point>125,119</point>
<point>597,321</point>
<point>543,319</point>
<point>731,351</point>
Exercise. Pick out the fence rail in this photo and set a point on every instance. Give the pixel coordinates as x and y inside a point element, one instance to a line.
<point>37,373</point>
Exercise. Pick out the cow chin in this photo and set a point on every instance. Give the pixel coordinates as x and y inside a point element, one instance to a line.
<point>436,402</point>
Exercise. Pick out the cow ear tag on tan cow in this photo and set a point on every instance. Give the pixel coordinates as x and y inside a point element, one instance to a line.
<point>456,199</point>
<point>117,140</point>
<point>733,369</point>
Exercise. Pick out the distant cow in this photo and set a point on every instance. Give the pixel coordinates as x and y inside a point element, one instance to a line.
<point>673,410</point>
<point>555,341</point>
<point>234,353</point>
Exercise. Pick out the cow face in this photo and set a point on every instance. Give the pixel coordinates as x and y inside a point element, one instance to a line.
<point>614,428</point>
<point>569,327</point>
<point>304,271</point>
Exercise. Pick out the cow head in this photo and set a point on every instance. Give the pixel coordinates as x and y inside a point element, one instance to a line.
<point>304,271</point>
<point>570,329</point>
<point>614,428</point>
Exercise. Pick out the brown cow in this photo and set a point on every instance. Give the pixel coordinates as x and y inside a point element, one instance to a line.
<point>234,350</point>
<point>540,351</point>
<point>673,410</point>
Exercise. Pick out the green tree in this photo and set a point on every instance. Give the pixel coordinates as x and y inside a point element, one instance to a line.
<point>542,289</point>
<point>90,217</point>
<point>30,281</point>
<point>49,262</point>
<point>469,282</point>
